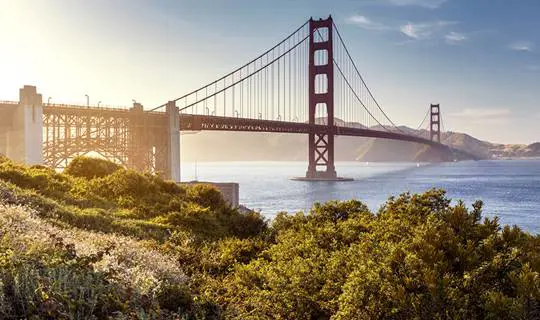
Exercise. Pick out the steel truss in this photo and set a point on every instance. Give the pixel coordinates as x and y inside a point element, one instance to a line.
<point>133,139</point>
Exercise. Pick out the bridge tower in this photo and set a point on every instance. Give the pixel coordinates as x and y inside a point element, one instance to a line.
<point>140,150</point>
<point>321,94</point>
<point>155,147</point>
<point>435,123</point>
<point>173,142</point>
<point>24,135</point>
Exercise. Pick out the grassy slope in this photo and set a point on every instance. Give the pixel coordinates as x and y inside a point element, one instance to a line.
<point>118,226</point>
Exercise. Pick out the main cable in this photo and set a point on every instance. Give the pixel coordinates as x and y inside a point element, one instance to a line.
<point>362,79</point>
<point>237,69</point>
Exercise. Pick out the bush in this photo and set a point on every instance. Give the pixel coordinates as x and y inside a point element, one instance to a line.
<point>418,258</point>
<point>90,168</point>
<point>207,196</point>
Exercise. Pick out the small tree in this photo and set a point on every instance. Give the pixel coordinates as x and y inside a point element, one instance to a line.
<point>90,168</point>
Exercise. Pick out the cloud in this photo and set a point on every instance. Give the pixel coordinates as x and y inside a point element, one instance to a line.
<point>430,4</point>
<point>523,46</point>
<point>485,116</point>
<point>455,37</point>
<point>412,30</point>
<point>423,30</point>
<point>483,113</point>
<point>366,23</point>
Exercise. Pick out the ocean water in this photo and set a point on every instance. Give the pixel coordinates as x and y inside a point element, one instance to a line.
<point>510,189</point>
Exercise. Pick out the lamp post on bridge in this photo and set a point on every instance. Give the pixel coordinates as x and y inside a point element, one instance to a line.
<point>49,100</point>
<point>99,102</point>
<point>87,100</point>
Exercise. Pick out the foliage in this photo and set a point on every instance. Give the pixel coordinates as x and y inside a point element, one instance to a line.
<point>90,168</point>
<point>111,229</point>
<point>418,258</point>
<point>99,241</point>
<point>125,202</point>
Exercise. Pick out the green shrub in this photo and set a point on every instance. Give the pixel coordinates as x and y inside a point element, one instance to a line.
<point>418,258</point>
<point>207,196</point>
<point>43,180</point>
<point>174,297</point>
<point>90,168</point>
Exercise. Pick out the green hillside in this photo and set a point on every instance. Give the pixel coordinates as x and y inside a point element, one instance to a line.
<point>102,242</point>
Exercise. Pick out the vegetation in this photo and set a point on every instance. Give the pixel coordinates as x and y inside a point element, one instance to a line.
<point>99,241</point>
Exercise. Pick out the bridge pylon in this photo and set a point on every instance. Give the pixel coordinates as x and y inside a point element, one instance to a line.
<point>321,94</point>
<point>140,150</point>
<point>435,123</point>
<point>155,147</point>
<point>23,134</point>
<point>173,142</point>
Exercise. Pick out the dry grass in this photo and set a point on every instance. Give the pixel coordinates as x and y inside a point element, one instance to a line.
<point>132,262</point>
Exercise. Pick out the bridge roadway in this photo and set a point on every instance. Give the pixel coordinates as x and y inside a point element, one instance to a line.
<point>190,122</point>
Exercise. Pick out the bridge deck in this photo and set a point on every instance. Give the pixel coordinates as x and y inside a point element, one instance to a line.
<point>213,123</point>
<point>190,122</point>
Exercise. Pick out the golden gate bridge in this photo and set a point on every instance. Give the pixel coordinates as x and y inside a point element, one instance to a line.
<point>307,84</point>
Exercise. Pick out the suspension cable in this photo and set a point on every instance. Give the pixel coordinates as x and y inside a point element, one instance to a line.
<point>237,69</point>
<point>358,98</point>
<point>352,90</point>
<point>248,77</point>
<point>421,123</point>
<point>362,79</point>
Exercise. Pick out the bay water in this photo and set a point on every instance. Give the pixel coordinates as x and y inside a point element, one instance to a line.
<point>510,189</point>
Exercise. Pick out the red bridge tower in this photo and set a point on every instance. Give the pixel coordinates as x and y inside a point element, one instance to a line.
<point>321,94</point>
<point>435,123</point>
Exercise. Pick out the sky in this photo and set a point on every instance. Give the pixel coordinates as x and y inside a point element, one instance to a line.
<point>480,59</point>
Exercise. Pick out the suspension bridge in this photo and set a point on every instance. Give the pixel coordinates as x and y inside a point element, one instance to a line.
<point>306,84</point>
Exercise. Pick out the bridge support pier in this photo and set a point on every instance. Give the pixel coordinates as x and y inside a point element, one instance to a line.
<point>173,142</point>
<point>140,151</point>
<point>154,148</point>
<point>24,138</point>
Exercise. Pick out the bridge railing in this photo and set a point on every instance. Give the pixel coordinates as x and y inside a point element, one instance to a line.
<point>106,107</point>
<point>8,102</point>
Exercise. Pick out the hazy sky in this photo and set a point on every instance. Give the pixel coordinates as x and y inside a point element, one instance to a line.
<point>480,59</point>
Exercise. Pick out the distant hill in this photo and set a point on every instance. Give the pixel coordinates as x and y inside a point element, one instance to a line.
<point>515,150</point>
<point>467,143</point>
<point>533,150</point>
<point>241,146</point>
